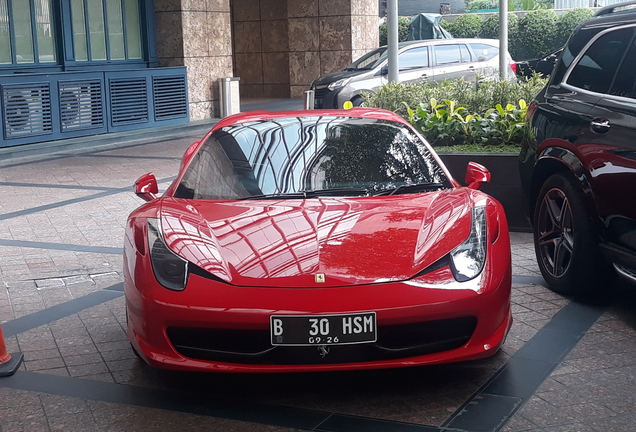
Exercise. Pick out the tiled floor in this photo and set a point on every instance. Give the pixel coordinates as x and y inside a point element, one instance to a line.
<point>61,229</point>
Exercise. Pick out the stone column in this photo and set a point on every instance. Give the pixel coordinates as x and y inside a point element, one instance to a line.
<point>327,35</point>
<point>196,34</point>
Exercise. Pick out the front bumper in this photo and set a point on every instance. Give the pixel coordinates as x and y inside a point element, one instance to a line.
<point>212,326</point>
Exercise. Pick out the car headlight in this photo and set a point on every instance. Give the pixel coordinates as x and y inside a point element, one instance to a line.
<point>170,270</point>
<point>468,259</point>
<point>340,83</point>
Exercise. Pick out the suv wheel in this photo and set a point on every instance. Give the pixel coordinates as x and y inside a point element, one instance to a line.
<point>564,238</point>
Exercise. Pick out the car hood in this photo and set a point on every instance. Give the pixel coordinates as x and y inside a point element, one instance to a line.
<point>317,242</point>
<point>335,76</point>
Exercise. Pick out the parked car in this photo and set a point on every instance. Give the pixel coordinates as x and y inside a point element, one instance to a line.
<point>307,241</point>
<point>542,66</point>
<point>422,60</point>
<point>578,170</point>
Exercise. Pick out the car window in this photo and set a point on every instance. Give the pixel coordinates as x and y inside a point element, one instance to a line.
<point>596,69</point>
<point>369,60</point>
<point>484,52</point>
<point>465,53</point>
<point>625,81</point>
<point>447,54</point>
<point>305,154</point>
<point>413,58</point>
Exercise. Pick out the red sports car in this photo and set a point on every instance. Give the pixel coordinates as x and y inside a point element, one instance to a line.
<point>313,241</point>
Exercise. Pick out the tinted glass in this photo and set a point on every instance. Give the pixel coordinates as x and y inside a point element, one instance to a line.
<point>484,52</point>
<point>596,69</point>
<point>625,81</point>
<point>289,155</point>
<point>369,60</point>
<point>446,54</point>
<point>413,58</point>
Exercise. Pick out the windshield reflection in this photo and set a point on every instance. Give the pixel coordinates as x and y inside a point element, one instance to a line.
<point>347,156</point>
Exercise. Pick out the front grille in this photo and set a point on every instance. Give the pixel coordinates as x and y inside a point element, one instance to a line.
<point>254,347</point>
<point>319,97</point>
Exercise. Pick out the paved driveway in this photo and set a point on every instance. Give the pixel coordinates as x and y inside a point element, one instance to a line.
<point>566,365</point>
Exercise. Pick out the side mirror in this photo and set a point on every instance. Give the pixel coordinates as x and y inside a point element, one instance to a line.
<point>476,175</point>
<point>146,187</point>
<point>384,70</point>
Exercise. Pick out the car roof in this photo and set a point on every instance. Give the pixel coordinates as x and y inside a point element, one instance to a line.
<point>616,14</point>
<point>494,42</point>
<point>372,113</point>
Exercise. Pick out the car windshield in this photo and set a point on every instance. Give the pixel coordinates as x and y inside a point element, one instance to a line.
<point>369,60</point>
<point>308,157</point>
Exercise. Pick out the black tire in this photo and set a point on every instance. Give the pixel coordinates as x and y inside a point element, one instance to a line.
<point>565,241</point>
<point>357,101</point>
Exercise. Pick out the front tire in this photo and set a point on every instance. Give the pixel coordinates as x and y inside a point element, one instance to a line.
<point>565,241</point>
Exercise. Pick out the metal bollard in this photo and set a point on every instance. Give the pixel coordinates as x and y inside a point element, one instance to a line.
<point>229,96</point>
<point>310,96</point>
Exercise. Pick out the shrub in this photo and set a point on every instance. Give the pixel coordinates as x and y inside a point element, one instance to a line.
<point>487,113</point>
<point>403,30</point>
<point>568,22</point>
<point>537,34</point>
<point>481,5</point>
<point>490,30</point>
<point>466,26</point>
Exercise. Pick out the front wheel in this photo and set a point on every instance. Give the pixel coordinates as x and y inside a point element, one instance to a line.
<point>565,241</point>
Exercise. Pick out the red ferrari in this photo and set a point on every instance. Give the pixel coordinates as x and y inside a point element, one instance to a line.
<point>314,241</point>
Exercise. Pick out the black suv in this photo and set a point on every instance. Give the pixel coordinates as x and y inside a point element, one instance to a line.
<point>578,170</point>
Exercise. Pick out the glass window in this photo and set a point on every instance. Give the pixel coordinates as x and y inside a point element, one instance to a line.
<point>114,29</point>
<point>23,31</point>
<point>5,35</point>
<point>625,81</point>
<point>97,29</point>
<point>310,157</point>
<point>484,52</point>
<point>596,69</point>
<point>465,53</point>
<point>79,30</point>
<point>447,54</point>
<point>133,28</point>
<point>413,58</point>
<point>44,31</point>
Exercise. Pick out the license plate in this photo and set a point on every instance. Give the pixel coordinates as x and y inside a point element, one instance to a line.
<point>308,330</point>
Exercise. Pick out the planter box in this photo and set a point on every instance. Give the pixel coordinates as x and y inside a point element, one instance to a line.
<point>505,183</point>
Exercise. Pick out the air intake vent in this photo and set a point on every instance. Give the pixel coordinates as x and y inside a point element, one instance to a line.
<point>169,95</point>
<point>81,105</point>
<point>128,100</point>
<point>27,110</point>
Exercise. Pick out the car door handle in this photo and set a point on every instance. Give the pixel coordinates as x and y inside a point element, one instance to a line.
<point>600,125</point>
<point>424,76</point>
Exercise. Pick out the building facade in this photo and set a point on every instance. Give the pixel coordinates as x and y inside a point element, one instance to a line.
<point>81,67</point>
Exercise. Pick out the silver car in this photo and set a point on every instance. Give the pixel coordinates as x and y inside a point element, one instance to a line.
<point>422,60</point>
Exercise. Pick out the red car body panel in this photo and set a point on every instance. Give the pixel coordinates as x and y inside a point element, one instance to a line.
<point>265,255</point>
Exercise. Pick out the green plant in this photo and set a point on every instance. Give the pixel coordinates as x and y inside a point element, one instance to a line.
<point>489,115</point>
<point>568,22</point>
<point>466,26</point>
<point>476,5</point>
<point>537,33</point>
<point>490,30</point>
<point>403,30</point>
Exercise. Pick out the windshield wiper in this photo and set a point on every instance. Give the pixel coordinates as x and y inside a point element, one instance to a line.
<point>412,188</point>
<point>292,195</point>
<point>342,191</point>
